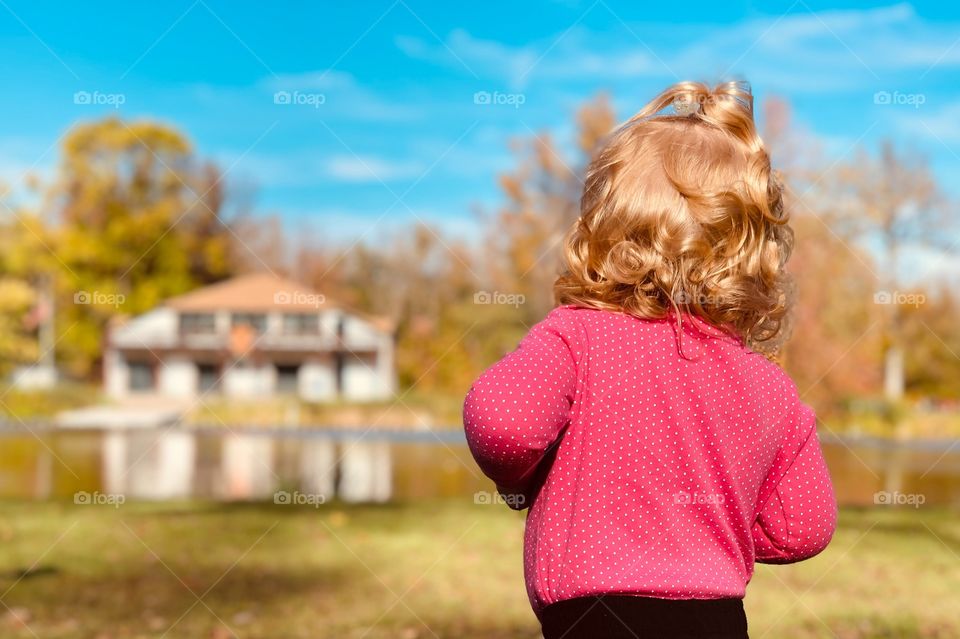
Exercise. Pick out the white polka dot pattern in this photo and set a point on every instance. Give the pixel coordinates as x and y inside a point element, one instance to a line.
<point>647,470</point>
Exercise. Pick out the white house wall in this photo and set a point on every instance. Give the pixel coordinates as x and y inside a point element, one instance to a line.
<point>116,374</point>
<point>177,376</point>
<point>359,334</point>
<point>316,381</point>
<point>367,377</point>
<point>360,379</point>
<point>157,328</point>
<point>245,380</point>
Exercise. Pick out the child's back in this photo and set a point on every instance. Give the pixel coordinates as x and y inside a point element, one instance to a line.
<point>659,455</point>
<point>665,463</point>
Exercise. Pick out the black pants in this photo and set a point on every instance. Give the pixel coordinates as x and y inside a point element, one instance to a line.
<point>634,617</point>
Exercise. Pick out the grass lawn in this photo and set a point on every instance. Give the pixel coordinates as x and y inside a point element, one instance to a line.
<point>438,569</point>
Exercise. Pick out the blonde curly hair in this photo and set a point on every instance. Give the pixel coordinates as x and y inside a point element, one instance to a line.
<point>681,213</point>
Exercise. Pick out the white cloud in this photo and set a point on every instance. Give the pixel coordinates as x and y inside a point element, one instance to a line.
<point>922,265</point>
<point>482,57</point>
<point>828,51</point>
<point>342,96</point>
<point>571,55</point>
<point>941,126</point>
<point>351,168</point>
<point>303,168</point>
<point>345,226</point>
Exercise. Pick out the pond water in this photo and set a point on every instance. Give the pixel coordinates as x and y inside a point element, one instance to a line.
<point>310,466</point>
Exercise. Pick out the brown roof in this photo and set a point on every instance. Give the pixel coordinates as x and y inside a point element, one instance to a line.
<point>259,293</point>
<point>256,292</point>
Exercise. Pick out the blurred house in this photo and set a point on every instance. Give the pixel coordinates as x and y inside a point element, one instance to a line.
<point>254,336</point>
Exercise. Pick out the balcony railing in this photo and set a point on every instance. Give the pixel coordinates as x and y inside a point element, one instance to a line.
<point>269,341</point>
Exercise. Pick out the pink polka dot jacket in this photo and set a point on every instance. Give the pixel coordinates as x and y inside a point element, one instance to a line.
<point>651,465</point>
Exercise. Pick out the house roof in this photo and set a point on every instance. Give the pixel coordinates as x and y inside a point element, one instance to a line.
<point>260,293</point>
<point>254,293</point>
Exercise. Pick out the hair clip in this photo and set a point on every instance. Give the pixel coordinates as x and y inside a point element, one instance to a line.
<point>686,105</point>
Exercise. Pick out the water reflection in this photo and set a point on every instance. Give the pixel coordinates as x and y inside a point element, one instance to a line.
<point>254,464</point>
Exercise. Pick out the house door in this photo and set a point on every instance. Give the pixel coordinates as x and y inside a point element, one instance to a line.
<point>208,378</point>
<point>287,379</point>
<point>338,366</point>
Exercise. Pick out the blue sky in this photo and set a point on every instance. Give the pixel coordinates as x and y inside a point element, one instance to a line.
<point>384,127</point>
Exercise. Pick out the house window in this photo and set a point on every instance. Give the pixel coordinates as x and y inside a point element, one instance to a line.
<point>256,321</point>
<point>287,379</point>
<point>301,324</point>
<point>141,376</point>
<point>197,324</point>
<point>208,378</point>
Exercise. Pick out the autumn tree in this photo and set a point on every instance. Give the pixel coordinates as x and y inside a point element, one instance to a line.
<point>455,308</point>
<point>26,259</point>
<point>833,345</point>
<point>892,201</point>
<point>930,328</point>
<point>18,296</point>
<point>542,198</point>
<point>137,219</point>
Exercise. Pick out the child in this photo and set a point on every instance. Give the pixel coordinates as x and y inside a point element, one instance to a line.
<point>660,455</point>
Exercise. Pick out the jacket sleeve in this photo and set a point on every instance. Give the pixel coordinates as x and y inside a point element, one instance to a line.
<point>800,517</point>
<point>515,413</point>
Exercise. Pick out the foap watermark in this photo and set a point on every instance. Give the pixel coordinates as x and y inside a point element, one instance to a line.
<point>896,498</point>
<point>496,98</point>
<point>96,498</point>
<point>98,98</point>
<point>693,103</point>
<point>300,98</point>
<point>699,299</point>
<point>496,297</point>
<point>899,298</point>
<point>296,498</point>
<point>898,98</point>
<point>98,298</point>
<point>684,497</point>
<point>298,298</point>
<point>485,497</point>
